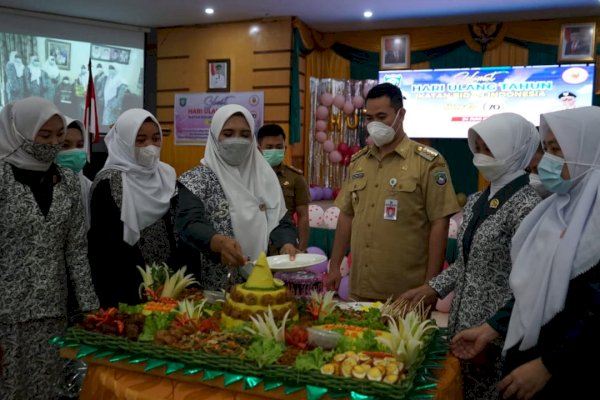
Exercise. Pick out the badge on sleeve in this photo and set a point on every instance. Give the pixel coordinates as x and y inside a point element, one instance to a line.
<point>440,178</point>
<point>390,211</point>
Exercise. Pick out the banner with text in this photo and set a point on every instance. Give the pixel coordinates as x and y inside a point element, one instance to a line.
<point>194,112</point>
<point>445,103</point>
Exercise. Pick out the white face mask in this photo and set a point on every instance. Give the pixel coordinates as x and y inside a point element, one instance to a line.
<point>147,156</point>
<point>381,133</point>
<point>234,150</point>
<point>490,168</point>
<point>536,183</point>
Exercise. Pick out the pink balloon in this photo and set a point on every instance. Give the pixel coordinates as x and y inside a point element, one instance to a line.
<point>321,125</point>
<point>326,99</point>
<point>322,112</point>
<point>358,101</point>
<point>344,289</point>
<point>339,101</point>
<point>348,108</point>
<point>321,136</point>
<point>328,146</point>
<point>335,156</point>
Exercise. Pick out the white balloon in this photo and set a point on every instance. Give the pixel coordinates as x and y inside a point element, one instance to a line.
<point>330,217</point>
<point>315,216</point>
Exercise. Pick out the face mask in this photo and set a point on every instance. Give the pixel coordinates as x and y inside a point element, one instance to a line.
<point>381,133</point>
<point>234,151</point>
<point>536,183</point>
<point>74,159</point>
<point>274,156</point>
<point>147,156</point>
<point>550,168</point>
<point>489,167</point>
<point>42,152</point>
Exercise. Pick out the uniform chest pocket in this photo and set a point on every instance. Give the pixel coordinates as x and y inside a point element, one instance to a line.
<point>288,192</point>
<point>406,186</point>
<point>358,193</point>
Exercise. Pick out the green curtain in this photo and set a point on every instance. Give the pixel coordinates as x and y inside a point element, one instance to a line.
<point>363,64</point>
<point>298,49</point>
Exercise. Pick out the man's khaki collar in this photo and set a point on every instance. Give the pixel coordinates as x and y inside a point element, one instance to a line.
<point>401,148</point>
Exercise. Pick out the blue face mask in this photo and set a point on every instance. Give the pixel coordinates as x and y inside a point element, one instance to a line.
<point>549,170</point>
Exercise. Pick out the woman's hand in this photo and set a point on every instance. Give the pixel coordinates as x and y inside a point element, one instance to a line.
<point>290,249</point>
<point>525,381</point>
<point>423,293</point>
<point>470,342</point>
<point>230,250</point>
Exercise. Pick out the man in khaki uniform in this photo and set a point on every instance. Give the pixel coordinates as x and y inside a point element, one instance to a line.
<point>271,142</point>
<point>395,207</point>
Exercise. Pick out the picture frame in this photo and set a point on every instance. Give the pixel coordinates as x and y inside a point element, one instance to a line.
<point>61,51</point>
<point>577,42</point>
<point>101,52</point>
<point>395,52</point>
<point>218,75</point>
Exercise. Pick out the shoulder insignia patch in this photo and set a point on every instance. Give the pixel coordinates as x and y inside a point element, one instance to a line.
<point>426,152</point>
<point>360,153</point>
<point>440,178</point>
<point>294,169</point>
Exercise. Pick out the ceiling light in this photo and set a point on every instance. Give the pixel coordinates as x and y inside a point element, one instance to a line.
<point>368,14</point>
<point>209,10</point>
<point>254,29</point>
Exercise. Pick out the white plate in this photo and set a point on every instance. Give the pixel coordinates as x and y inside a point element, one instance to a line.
<point>355,305</point>
<point>302,261</point>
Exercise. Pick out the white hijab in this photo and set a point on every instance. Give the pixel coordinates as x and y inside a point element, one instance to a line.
<point>84,183</point>
<point>147,191</point>
<point>558,240</point>
<point>21,120</point>
<point>112,85</point>
<point>35,72</point>
<point>19,66</point>
<point>51,68</point>
<point>510,138</point>
<point>247,186</point>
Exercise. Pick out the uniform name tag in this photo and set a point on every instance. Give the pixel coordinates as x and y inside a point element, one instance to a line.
<point>390,211</point>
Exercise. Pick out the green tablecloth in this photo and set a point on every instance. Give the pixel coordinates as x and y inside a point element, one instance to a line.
<point>322,238</point>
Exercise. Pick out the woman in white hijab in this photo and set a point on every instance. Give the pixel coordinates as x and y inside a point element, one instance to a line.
<point>15,82</point>
<point>42,247</point>
<point>231,205</point>
<point>131,209</point>
<point>502,147</point>
<point>555,322</point>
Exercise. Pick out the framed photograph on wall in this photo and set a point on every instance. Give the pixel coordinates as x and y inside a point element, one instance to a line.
<point>577,42</point>
<point>395,52</point>
<point>61,51</point>
<point>218,75</point>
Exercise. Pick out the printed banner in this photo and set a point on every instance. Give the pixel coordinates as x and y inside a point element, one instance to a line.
<point>194,112</point>
<point>445,103</point>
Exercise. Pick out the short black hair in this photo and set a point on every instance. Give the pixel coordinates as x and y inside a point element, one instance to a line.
<point>389,90</point>
<point>111,67</point>
<point>269,130</point>
<point>99,65</point>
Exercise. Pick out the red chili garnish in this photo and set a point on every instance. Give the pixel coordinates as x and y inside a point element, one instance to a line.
<point>297,336</point>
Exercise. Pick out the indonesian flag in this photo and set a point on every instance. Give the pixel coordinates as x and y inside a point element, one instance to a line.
<point>90,117</point>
